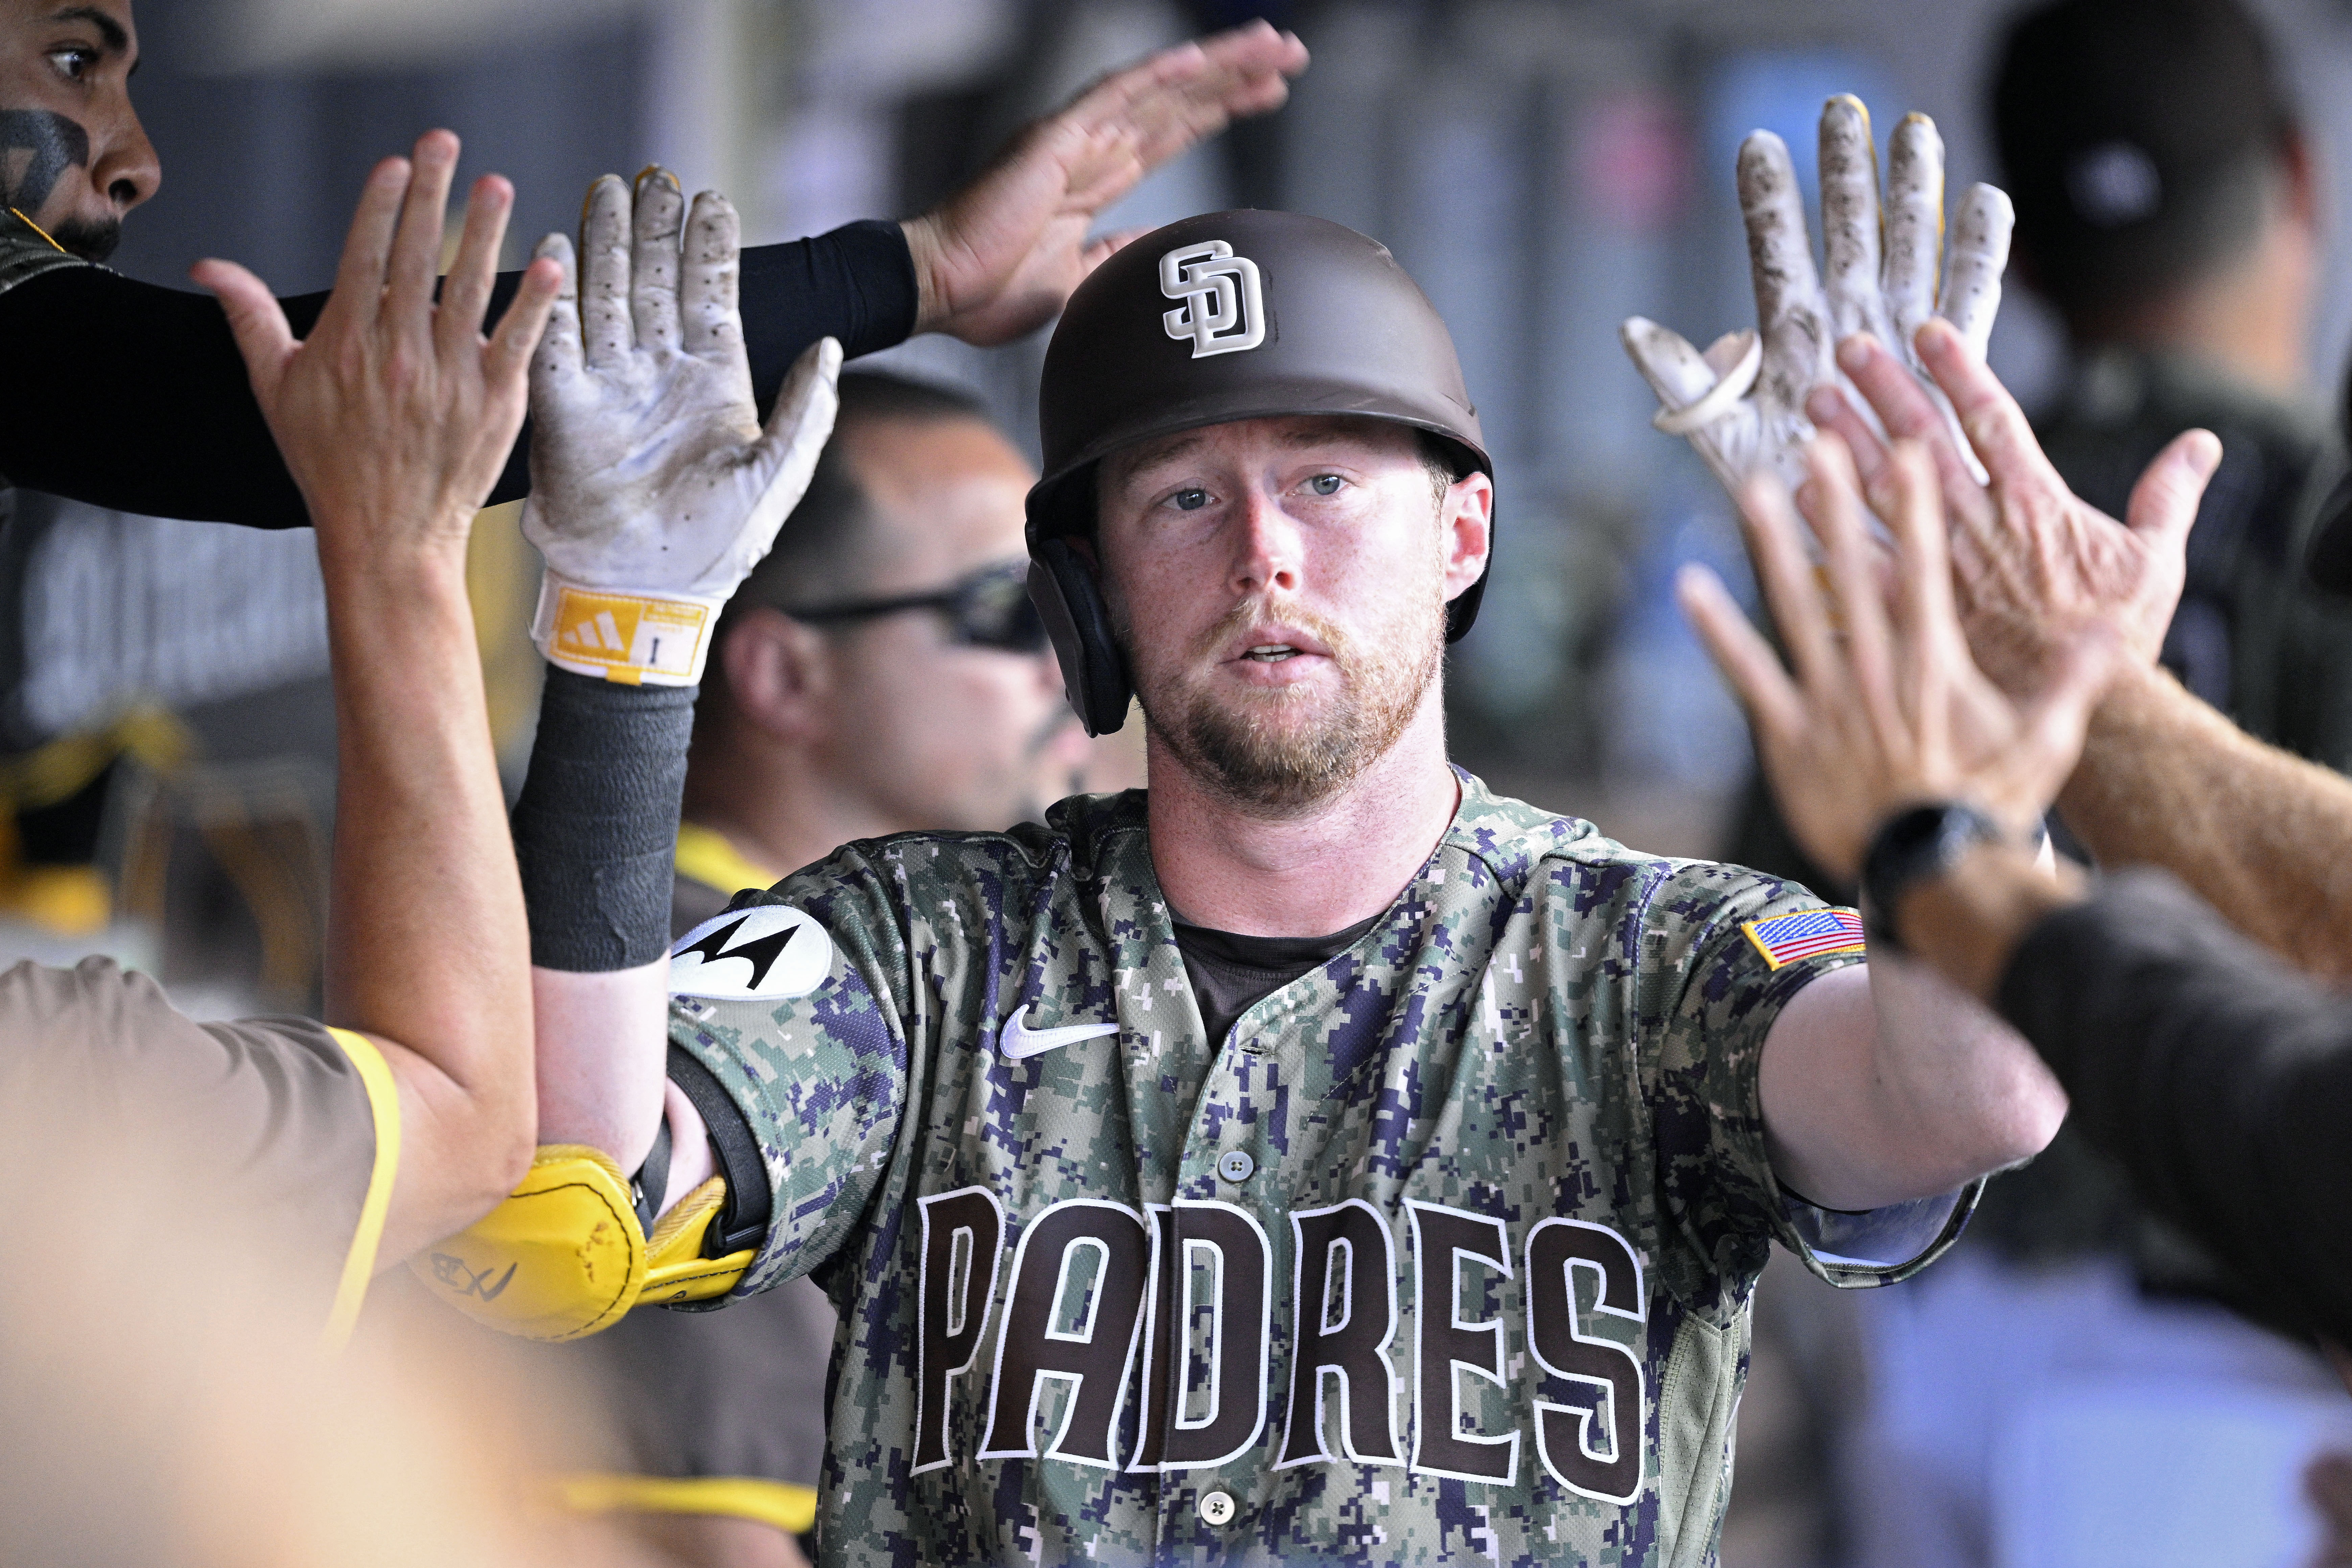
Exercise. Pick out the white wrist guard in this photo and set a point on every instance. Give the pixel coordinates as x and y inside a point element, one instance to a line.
<point>631,638</point>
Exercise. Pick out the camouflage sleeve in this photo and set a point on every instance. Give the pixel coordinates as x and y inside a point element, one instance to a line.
<point>1726,949</point>
<point>801,1002</point>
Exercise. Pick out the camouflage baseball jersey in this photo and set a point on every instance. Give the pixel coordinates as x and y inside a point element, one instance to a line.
<point>1444,1252</point>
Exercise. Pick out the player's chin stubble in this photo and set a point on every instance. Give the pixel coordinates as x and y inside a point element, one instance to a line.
<point>1282,751</point>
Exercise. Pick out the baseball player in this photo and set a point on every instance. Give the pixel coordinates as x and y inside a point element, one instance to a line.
<point>128,367</point>
<point>1318,1156</point>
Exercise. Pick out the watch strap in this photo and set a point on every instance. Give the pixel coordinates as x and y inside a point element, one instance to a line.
<point>1914,843</point>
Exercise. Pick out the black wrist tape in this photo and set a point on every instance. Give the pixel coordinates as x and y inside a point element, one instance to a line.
<point>595,830</point>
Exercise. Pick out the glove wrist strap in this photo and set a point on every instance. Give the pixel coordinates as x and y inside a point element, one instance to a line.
<point>633,637</point>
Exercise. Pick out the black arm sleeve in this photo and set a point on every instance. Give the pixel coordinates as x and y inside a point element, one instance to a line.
<point>131,396</point>
<point>2221,1080</point>
<point>597,826</point>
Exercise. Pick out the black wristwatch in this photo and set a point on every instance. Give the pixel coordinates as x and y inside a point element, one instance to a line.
<point>1919,842</point>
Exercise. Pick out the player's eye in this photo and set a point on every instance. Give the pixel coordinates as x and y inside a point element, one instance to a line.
<point>1190,500</point>
<point>1326,484</point>
<point>74,61</point>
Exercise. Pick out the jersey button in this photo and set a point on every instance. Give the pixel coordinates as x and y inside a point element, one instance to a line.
<point>1217,1507</point>
<point>1234,1165</point>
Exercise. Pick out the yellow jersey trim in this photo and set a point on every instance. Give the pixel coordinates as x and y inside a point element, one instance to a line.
<point>705,856</point>
<point>358,1263</point>
<point>791,1508</point>
<point>36,228</point>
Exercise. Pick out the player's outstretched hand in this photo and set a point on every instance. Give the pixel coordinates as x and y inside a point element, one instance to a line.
<point>1885,709</point>
<point>2032,562</point>
<point>653,488</point>
<point>1001,256</point>
<point>395,414</point>
<point>1742,403</point>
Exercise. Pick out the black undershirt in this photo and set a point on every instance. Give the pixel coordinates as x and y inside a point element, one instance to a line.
<point>1231,973</point>
<point>2218,1077</point>
<point>127,395</point>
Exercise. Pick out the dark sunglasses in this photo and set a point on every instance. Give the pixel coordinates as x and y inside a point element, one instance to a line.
<point>989,608</point>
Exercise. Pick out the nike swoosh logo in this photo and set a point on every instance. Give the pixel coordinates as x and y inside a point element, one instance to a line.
<point>1017,1040</point>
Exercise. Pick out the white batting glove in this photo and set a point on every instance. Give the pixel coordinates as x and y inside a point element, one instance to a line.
<point>653,488</point>
<point>1742,403</point>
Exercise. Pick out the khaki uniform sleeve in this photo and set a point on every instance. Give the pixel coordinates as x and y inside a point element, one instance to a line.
<point>297,1124</point>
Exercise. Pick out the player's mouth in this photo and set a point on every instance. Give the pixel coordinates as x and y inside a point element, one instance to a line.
<point>1275,644</point>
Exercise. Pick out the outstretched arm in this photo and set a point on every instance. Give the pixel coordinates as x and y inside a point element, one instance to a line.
<point>998,258</point>
<point>394,415</point>
<point>1894,1085</point>
<point>656,491</point>
<point>2164,779</point>
<point>129,367</point>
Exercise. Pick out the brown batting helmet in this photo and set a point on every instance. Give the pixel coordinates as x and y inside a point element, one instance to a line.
<point>1232,315</point>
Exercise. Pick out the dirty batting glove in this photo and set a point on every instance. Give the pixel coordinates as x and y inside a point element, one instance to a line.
<point>1742,403</point>
<point>654,489</point>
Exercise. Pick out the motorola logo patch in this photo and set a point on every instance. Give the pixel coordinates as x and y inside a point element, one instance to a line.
<point>767,951</point>
<point>1224,308</point>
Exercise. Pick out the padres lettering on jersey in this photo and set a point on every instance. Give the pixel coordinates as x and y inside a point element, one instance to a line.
<point>1096,1290</point>
<point>1446,1249</point>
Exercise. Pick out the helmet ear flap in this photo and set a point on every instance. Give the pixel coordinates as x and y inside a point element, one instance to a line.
<point>1070,602</point>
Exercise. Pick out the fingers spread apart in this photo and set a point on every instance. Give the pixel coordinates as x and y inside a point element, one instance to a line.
<point>466,291</point>
<point>1979,255</point>
<point>1850,226</point>
<point>559,347</point>
<point>1790,309</point>
<point>1914,223</point>
<point>657,209</point>
<point>605,242</point>
<point>710,290</point>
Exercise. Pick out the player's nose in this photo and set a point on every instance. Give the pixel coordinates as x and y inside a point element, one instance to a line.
<point>1266,545</point>
<point>126,170</point>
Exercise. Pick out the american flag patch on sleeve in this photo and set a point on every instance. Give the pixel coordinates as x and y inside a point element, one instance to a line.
<point>1808,933</point>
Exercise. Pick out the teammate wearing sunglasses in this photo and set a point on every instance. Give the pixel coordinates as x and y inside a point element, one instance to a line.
<point>882,670</point>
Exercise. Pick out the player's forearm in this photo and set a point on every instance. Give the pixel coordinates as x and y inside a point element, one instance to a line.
<point>1886,1083</point>
<point>597,829</point>
<point>1958,1091</point>
<point>128,367</point>
<point>426,940</point>
<point>2259,835</point>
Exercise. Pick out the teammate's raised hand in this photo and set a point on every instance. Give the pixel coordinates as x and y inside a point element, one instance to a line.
<point>395,414</point>
<point>1743,401</point>
<point>1001,256</point>
<point>653,486</point>
<point>2032,562</point>
<point>1885,709</point>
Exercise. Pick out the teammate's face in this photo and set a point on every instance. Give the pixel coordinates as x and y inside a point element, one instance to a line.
<point>73,156</point>
<point>929,731</point>
<point>1280,586</point>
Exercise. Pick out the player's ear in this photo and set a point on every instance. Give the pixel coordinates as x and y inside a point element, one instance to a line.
<point>780,674</point>
<point>1467,514</point>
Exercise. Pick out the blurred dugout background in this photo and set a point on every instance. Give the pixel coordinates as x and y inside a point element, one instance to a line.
<point>1544,169</point>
